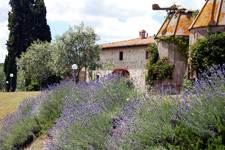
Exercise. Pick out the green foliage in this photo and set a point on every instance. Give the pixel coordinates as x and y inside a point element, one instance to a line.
<point>116,94</point>
<point>2,78</point>
<point>159,71</point>
<point>208,51</point>
<point>36,63</point>
<point>153,54</point>
<point>203,127</point>
<point>187,84</point>
<point>92,129</point>
<point>94,134</point>
<point>27,128</point>
<point>21,86</point>
<point>108,65</point>
<point>76,46</point>
<point>182,44</point>
<point>151,125</point>
<point>195,13</point>
<point>26,23</point>
<point>22,132</point>
<point>51,108</point>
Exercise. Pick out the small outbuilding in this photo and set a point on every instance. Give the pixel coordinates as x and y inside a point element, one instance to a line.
<point>211,18</point>
<point>173,33</point>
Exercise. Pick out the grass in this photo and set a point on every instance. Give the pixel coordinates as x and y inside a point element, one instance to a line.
<point>9,102</point>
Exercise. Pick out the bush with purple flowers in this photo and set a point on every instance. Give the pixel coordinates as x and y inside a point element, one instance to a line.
<point>86,124</point>
<point>194,122</point>
<point>111,115</point>
<point>33,118</point>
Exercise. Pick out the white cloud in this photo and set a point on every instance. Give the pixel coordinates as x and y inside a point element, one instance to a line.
<point>112,19</point>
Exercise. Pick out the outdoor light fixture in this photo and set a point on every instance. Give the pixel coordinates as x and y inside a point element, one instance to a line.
<point>74,68</point>
<point>11,75</point>
<point>11,78</point>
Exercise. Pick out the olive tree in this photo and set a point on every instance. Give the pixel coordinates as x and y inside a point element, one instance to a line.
<point>76,46</point>
<point>36,63</point>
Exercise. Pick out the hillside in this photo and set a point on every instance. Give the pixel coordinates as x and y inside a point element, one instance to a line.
<point>112,114</point>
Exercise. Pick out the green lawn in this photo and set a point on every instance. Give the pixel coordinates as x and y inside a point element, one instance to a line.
<point>9,102</point>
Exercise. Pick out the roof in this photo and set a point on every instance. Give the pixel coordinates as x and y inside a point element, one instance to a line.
<point>212,14</point>
<point>176,24</point>
<point>129,43</point>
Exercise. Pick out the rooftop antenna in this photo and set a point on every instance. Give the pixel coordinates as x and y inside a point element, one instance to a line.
<point>169,10</point>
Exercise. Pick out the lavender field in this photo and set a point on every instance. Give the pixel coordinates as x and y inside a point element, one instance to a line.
<point>112,115</point>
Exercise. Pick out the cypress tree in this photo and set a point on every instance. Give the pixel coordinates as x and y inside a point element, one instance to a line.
<point>27,23</point>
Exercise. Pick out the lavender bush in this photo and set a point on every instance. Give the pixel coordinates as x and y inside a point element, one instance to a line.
<point>201,116</point>
<point>85,124</point>
<point>194,122</point>
<point>33,118</point>
<point>111,115</point>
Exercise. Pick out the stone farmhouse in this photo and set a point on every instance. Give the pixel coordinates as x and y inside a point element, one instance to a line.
<point>126,57</point>
<point>129,57</point>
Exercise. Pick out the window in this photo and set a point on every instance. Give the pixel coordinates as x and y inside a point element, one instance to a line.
<point>146,54</point>
<point>121,56</point>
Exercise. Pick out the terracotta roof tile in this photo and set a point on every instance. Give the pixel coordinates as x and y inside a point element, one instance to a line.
<point>212,14</point>
<point>129,43</point>
<point>176,24</point>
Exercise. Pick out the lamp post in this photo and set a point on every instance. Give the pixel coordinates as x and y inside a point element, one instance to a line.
<point>74,68</point>
<point>11,79</point>
<point>7,86</point>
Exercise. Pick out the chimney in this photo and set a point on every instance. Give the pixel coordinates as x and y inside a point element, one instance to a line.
<point>143,34</point>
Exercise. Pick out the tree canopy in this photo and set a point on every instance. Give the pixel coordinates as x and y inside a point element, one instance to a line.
<point>2,78</point>
<point>76,46</point>
<point>208,51</point>
<point>27,23</point>
<point>36,63</point>
<point>45,61</point>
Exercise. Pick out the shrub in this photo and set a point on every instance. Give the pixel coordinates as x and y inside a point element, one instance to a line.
<point>36,64</point>
<point>33,118</point>
<point>208,51</point>
<point>110,115</point>
<point>151,127</point>
<point>2,78</point>
<point>200,117</point>
<point>161,70</point>
<point>153,54</point>
<point>196,122</point>
<point>90,120</point>
<point>187,84</point>
<point>158,69</point>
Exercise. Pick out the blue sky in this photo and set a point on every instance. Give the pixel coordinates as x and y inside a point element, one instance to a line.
<point>112,19</point>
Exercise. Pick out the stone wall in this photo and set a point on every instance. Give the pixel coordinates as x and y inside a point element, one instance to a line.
<point>201,32</point>
<point>134,60</point>
<point>168,50</point>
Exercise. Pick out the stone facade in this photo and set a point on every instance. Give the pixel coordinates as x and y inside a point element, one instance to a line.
<point>134,60</point>
<point>169,51</point>
<point>175,26</point>
<point>201,32</point>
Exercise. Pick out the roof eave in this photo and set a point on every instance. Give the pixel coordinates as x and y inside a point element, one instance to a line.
<point>125,46</point>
